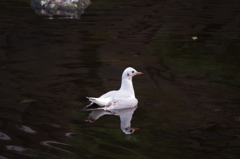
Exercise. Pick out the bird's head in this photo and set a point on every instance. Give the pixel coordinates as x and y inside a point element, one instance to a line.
<point>130,72</point>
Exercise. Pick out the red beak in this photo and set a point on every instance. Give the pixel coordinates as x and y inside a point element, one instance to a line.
<point>139,73</point>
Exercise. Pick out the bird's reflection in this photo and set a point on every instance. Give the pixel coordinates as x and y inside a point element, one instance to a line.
<point>124,114</point>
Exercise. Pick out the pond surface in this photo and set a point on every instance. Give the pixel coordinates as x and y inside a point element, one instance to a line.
<point>188,96</point>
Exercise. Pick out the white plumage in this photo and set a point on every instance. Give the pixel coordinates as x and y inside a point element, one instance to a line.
<point>122,98</point>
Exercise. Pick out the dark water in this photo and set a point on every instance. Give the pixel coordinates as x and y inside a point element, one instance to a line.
<point>188,96</point>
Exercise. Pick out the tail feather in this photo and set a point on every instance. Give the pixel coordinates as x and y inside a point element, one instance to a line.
<point>91,106</point>
<point>91,99</point>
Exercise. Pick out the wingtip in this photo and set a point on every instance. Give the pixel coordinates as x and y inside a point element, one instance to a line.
<point>92,106</point>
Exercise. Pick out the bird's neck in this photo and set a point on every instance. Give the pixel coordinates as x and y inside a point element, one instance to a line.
<point>127,86</point>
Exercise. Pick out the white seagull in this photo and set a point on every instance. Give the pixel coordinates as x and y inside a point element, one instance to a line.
<point>122,98</point>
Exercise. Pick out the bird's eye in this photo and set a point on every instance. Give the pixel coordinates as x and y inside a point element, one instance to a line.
<point>132,71</point>
<point>127,74</point>
<point>131,131</point>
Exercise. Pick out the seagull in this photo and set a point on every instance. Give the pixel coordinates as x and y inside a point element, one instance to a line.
<point>117,99</point>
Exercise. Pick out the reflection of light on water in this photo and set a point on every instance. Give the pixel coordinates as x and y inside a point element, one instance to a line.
<point>26,129</point>
<point>15,148</point>
<point>48,144</point>
<point>69,134</point>
<point>4,136</point>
